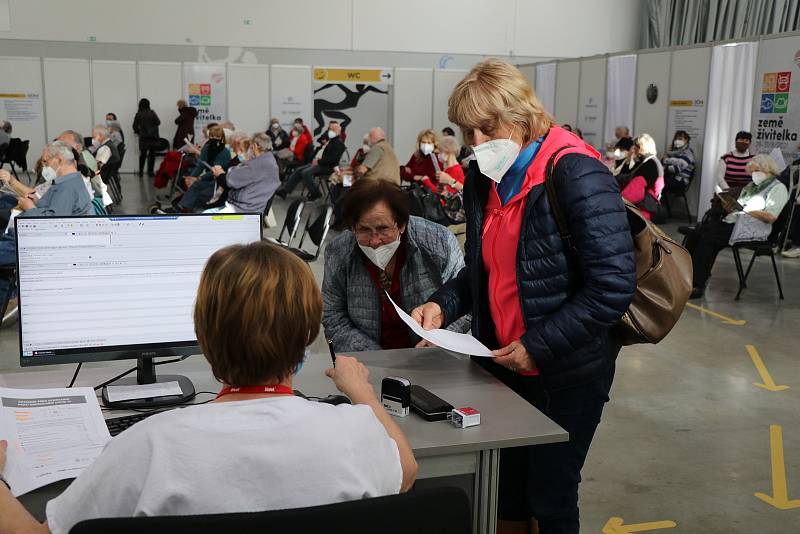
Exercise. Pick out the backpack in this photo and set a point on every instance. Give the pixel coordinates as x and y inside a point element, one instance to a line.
<point>663,273</point>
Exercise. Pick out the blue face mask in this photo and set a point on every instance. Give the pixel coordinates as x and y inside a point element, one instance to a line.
<point>300,365</point>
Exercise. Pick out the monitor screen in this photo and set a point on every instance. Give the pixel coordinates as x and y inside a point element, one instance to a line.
<point>115,287</point>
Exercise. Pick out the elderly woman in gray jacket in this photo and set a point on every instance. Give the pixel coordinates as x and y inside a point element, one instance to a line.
<point>384,251</point>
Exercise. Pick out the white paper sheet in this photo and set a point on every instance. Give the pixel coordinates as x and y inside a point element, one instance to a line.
<point>142,391</point>
<point>53,434</point>
<point>453,341</point>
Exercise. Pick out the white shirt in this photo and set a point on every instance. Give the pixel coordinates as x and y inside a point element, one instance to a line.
<point>239,456</point>
<point>103,154</point>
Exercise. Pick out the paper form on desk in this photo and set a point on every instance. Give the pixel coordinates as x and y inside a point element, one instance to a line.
<point>52,434</point>
<point>453,341</point>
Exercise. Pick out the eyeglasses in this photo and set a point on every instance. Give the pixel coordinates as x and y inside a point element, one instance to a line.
<point>383,232</point>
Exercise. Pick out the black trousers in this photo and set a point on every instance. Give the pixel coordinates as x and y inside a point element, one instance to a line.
<point>147,153</point>
<point>704,244</point>
<point>541,481</point>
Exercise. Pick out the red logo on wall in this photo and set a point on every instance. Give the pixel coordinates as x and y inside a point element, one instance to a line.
<point>784,82</point>
<point>205,88</point>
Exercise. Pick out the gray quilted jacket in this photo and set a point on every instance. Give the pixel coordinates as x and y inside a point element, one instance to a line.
<point>352,305</point>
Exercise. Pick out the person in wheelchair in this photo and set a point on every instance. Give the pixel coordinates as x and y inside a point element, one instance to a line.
<point>762,199</point>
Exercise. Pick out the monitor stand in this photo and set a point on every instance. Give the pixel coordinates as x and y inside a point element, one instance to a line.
<point>146,374</point>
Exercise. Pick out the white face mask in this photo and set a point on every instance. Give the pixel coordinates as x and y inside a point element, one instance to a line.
<point>426,148</point>
<point>365,148</point>
<point>382,255</point>
<point>759,177</point>
<point>49,173</point>
<point>332,134</point>
<point>95,143</point>
<point>275,126</point>
<point>495,157</point>
<point>679,143</point>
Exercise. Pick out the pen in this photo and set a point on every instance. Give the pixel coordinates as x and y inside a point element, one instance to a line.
<point>333,354</point>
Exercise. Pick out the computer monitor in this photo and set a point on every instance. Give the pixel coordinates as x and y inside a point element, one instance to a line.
<point>99,288</point>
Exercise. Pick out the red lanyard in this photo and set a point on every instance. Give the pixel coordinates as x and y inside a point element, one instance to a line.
<point>279,389</point>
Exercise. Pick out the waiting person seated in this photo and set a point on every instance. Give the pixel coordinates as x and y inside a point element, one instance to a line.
<point>731,168</point>
<point>344,176</point>
<point>465,154</point>
<point>254,180</point>
<point>228,128</point>
<point>257,446</point>
<point>679,163</point>
<point>5,134</point>
<point>105,152</point>
<point>381,160</point>
<point>299,139</point>
<point>620,132</point>
<point>324,136</point>
<point>200,184</point>
<point>451,177</point>
<point>421,165</point>
<point>239,145</point>
<point>621,160</point>
<point>277,135</point>
<point>762,199</point>
<point>383,250</point>
<point>115,129</point>
<point>87,166</point>
<point>322,165</point>
<point>642,185</point>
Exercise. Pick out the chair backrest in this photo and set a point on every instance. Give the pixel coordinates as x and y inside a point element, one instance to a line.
<point>292,221</point>
<point>308,153</point>
<point>429,511</point>
<point>17,152</point>
<point>781,225</point>
<point>317,227</point>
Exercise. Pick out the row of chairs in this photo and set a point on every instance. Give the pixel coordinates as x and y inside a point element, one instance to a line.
<point>318,223</point>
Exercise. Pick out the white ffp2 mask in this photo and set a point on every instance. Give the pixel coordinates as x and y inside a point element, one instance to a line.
<point>382,255</point>
<point>759,177</point>
<point>426,148</point>
<point>495,157</point>
<point>49,173</point>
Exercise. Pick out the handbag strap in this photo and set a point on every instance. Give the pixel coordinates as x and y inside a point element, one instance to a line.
<point>555,205</point>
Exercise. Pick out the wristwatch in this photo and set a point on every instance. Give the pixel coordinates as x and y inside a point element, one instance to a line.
<point>4,481</point>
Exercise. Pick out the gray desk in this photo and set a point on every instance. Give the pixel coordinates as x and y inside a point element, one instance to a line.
<point>441,450</point>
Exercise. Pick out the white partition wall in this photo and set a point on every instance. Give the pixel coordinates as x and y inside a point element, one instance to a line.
<point>21,101</point>
<point>444,81</point>
<point>248,96</point>
<point>546,85</point>
<point>652,69</point>
<point>592,100</point>
<point>114,91</point>
<point>160,82</point>
<point>568,74</point>
<point>413,108</point>
<point>529,71</point>
<point>290,93</point>
<point>67,93</point>
<point>620,93</point>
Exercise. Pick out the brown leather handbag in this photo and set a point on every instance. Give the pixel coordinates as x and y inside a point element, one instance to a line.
<point>663,274</point>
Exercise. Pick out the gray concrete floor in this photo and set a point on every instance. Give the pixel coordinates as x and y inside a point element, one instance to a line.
<point>686,436</point>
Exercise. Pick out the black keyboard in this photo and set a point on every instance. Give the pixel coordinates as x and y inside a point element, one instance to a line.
<point>118,424</point>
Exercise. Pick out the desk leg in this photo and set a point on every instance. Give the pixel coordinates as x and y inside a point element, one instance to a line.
<point>486,483</point>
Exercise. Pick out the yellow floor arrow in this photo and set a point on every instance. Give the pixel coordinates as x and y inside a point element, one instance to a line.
<point>780,491</point>
<point>616,526</point>
<point>768,384</point>
<point>725,319</point>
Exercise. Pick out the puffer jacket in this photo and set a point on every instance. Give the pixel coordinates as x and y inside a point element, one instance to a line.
<point>569,304</point>
<point>352,309</point>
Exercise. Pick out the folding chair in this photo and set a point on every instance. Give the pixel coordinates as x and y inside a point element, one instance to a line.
<point>316,229</point>
<point>290,223</point>
<point>679,192</point>
<point>16,154</point>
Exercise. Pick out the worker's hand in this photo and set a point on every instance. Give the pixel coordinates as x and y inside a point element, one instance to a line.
<point>217,170</point>
<point>25,203</point>
<point>351,377</point>
<point>429,316</point>
<point>3,449</point>
<point>514,357</point>
<point>5,176</point>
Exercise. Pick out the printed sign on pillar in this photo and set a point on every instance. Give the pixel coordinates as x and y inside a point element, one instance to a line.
<point>776,113</point>
<point>204,89</point>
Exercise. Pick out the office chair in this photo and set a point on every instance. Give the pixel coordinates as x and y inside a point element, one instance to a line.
<point>317,227</point>
<point>430,511</point>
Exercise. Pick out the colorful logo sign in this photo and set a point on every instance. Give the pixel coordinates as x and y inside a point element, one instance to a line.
<point>775,89</point>
<point>199,94</point>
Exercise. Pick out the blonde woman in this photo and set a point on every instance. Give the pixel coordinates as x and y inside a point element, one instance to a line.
<point>545,309</point>
<point>421,165</point>
<point>642,185</point>
<point>763,199</point>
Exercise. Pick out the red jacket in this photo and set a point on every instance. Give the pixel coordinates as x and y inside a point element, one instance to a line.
<point>501,232</point>
<point>302,142</point>
<point>635,190</point>
<point>420,166</point>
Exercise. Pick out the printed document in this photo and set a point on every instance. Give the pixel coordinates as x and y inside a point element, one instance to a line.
<point>52,434</point>
<point>453,341</point>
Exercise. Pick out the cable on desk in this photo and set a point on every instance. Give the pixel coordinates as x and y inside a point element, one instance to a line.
<point>107,382</point>
<point>77,370</point>
<point>165,408</point>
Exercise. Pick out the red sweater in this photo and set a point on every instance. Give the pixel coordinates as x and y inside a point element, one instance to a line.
<point>635,190</point>
<point>502,226</point>
<point>420,166</point>
<point>301,144</point>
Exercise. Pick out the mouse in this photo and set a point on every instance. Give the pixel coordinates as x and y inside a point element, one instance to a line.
<point>335,400</point>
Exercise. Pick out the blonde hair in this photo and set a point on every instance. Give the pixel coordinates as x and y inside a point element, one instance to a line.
<point>427,132</point>
<point>495,93</point>
<point>645,144</point>
<point>763,163</point>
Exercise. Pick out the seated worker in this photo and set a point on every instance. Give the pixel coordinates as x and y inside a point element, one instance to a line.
<point>731,171</point>
<point>323,165</point>
<point>254,180</point>
<point>278,136</point>
<point>763,199</point>
<point>642,185</point>
<point>383,249</point>
<point>679,163</point>
<point>66,196</point>
<point>381,161</point>
<point>200,184</point>
<point>257,447</point>
<point>421,164</point>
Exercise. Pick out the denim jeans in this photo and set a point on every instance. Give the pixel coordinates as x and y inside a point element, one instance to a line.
<point>198,195</point>
<point>8,258</point>
<point>306,174</point>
